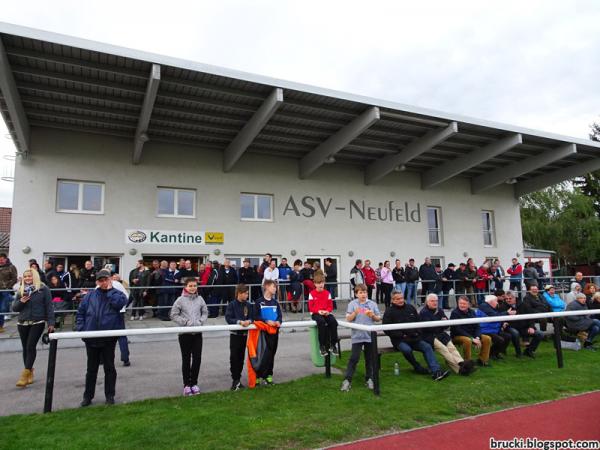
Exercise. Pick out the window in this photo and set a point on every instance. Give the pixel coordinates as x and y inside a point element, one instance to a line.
<point>80,197</point>
<point>434,226</point>
<point>487,218</point>
<point>176,202</point>
<point>256,207</point>
<point>99,261</point>
<point>437,260</point>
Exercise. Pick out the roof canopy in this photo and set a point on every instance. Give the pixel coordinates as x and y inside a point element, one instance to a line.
<point>56,81</point>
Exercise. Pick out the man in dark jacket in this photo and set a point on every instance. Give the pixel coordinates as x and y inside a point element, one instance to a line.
<point>428,277</point>
<point>583,323</point>
<point>468,335</point>
<point>526,328</point>
<point>229,278</point>
<point>412,277</point>
<point>409,340</point>
<point>440,340</point>
<point>534,303</point>
<point>331,277</point>
<point>87,276</point>
<point>247,275</point>
<point>138,281</point>
<point>448,283</point>
<point>101,310</point>
<point>8,278</point>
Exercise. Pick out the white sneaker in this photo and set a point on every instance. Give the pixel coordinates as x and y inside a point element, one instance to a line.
<point>132,318</point>
<point>370,384</point>
<point>346,385</point>
<point>141,317</point>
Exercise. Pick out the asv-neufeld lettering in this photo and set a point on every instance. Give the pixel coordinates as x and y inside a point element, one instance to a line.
<point>392,211</point>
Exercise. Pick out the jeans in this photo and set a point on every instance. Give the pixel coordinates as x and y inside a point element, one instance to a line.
<point>534,339</point>
<point>480,296</point>
<point>97,352</point>
<point>400,287</point>
<point>419,346</point>
<point>5,301</point>
<point>163,302</point>
<point>30,335</point>
<point>367,349</point>
<point>445,300</point>
<point>411,293</point>
<point>515,337</point>
<point>594,330</point>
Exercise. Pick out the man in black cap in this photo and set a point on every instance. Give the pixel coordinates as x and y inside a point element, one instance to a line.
<point>101,310</point>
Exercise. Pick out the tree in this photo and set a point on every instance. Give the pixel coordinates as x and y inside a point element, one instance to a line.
<point>563,219</point>
<point>590,183</point>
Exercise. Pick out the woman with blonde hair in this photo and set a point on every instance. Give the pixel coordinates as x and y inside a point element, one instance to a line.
<point>33,302</point>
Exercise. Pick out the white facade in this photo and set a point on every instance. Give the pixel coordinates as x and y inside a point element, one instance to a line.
<point>130,202</point>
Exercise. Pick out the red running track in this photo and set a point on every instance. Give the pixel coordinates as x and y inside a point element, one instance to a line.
<point>574,418</point>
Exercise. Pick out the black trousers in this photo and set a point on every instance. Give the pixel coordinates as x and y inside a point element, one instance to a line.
<point>30,335</point>
<point>272,342</point>
<point>191,356</point>
<point>367,349</point>
<point>386,288</point>
<point>237,351</point>
<point>100,352</point>
<point>327,329</point>
<point>379,293</point>
<point>500,342</point>
<point>370,292</point>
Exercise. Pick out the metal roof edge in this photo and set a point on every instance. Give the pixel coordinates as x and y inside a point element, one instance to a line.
<point>62,39</point>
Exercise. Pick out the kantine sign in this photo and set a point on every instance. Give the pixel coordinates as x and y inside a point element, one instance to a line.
<point>169,237</point>
<point>325,207</point>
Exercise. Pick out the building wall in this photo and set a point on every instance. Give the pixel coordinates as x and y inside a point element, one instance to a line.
<point>131,197</point>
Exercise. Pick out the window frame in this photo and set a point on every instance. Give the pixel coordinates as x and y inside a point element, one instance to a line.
<point>80,186</point>
<point>175,214</point>
<point>491,231</point>
<point>255,196</point>
<point>438,210</point>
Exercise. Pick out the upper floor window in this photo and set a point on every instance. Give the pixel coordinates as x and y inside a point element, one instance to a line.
<point>176,202</point>
<point>256,207</point>
<point>487,218</point>
<point>434,225</point>
<point>80,197</point>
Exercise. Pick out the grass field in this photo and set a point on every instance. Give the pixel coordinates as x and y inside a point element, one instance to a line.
<point>309,412</point>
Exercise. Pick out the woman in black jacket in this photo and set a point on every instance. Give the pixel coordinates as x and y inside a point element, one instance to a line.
<point>34,305</point>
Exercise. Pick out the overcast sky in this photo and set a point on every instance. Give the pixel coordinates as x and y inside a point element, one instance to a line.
<point>528,63</point>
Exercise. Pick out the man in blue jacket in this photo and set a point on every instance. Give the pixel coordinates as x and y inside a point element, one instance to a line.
<point>100,310</point>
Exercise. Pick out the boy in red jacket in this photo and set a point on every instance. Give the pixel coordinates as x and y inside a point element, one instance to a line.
<point>320,305</point>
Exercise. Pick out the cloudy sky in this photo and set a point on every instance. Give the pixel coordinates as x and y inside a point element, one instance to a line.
<point>533,64</point>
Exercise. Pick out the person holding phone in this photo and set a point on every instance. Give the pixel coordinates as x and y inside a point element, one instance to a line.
<point>34,305</point>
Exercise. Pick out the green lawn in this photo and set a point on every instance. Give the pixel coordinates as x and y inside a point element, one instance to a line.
<point>306,413</point>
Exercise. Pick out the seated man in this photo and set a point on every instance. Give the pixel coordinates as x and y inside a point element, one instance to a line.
<point>468,335</point>
<point>533,303</point>
<point>407,341</point>
<point>525,328</point>
<point>440,340</point>
<point>509,306</point>
<point>495,330</point>
<point>583,323</point>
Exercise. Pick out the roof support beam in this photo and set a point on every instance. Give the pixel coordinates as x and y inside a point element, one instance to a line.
<point>253,127</point>
<point>16,112</point>
<point>555,177</point>
<point>452,168</point>
<point>141,134</point>
<point>380,168</point>
<point>317,157</point>
<point>489,180</point>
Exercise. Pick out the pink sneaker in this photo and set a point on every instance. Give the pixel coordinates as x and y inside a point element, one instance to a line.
<point>195,390</point>
<point>187,391</point>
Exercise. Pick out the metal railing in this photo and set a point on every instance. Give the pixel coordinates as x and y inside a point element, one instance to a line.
<point>372,329</point>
